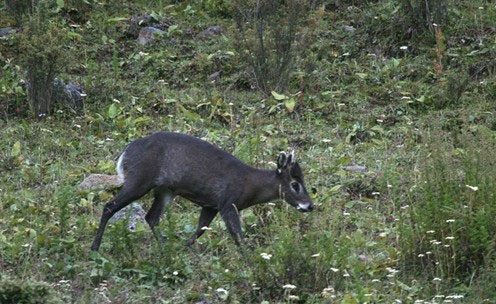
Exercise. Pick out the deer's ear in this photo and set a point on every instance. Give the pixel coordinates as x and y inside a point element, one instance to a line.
<point>291,158</point>
<point>281,161</point>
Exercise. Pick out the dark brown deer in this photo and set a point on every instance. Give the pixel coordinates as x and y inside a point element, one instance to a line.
<point>177,164</point>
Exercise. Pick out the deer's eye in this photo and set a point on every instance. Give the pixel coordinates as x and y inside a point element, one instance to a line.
<point>295,186</point>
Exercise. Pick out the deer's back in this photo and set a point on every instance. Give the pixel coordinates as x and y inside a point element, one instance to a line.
<point>183,163</point>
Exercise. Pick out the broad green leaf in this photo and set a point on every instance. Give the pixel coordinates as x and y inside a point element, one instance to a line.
<point>117,19</point>
<point>112,111</point>
<point>190,115</point>
<point>60,4</point>
<point>376,141</point>
<point>350,204</point>
<point>155,16</point>
<point>378,129</point>
<point>421,99</point>
<point>278,96</point>
<point>362,75</point>
<point>290,105</point>
<point>16,149</point>
<point>335,189</point>
<point>74,35</point>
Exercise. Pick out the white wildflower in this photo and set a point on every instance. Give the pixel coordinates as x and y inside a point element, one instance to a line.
<point>454,297</point>
<point>473,188</point>
<point>265,256</point>
<point>328,289</point>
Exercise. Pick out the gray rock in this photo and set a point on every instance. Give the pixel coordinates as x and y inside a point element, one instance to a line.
<point>70,95</point>
<point>138,22</point>
<point>147,34</point>
<point>211,31</point>
<point>214,76</point>
<point>348,28</point>
<point>101,181</point>
<point>7,31</point>
<point>133,213</point>
<point>356,168</point>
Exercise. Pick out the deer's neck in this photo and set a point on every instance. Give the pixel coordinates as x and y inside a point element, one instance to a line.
<point>261,186</point>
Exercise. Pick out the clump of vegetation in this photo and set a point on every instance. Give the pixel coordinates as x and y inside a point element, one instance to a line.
<point>43,57</point>
<point>14,291</point>
<point>267,39</point>
<point>424,15</point>
<point>19,9</point>
<point>447,231</point>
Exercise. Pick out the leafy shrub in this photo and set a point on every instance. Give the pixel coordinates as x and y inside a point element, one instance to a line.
<point>20,8</point>
<point>420,15</point>
<point>216,7</point>
<point>25,292</point>
<point>42,57</point>
<point>268,31</point>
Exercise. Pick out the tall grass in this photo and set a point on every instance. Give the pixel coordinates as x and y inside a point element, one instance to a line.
<point>448,231</point>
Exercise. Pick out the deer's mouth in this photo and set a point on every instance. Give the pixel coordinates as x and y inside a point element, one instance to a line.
<point>305,207</point>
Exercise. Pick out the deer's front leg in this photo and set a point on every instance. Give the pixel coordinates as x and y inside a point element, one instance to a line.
<point>206,217</point>
<point>230,215</point>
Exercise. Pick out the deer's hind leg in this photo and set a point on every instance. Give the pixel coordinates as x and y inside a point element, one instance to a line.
<point>162,197</point>
<point>128,194</point>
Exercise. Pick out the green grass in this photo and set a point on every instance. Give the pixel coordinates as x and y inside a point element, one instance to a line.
<point>385,235</point>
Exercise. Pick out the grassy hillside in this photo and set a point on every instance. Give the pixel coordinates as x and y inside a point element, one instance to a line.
<point>371,84</point>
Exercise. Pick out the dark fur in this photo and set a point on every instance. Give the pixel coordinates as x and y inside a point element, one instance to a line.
<point>177,164</point>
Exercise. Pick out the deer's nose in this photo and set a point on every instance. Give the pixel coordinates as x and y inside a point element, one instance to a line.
<point>305,207</point>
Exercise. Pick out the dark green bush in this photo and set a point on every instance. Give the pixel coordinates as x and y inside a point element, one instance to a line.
<point>420,15</point>
<point>42,57</point>
<point>25,292</point>
<point>268,32</point>
<point>20,8</point>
